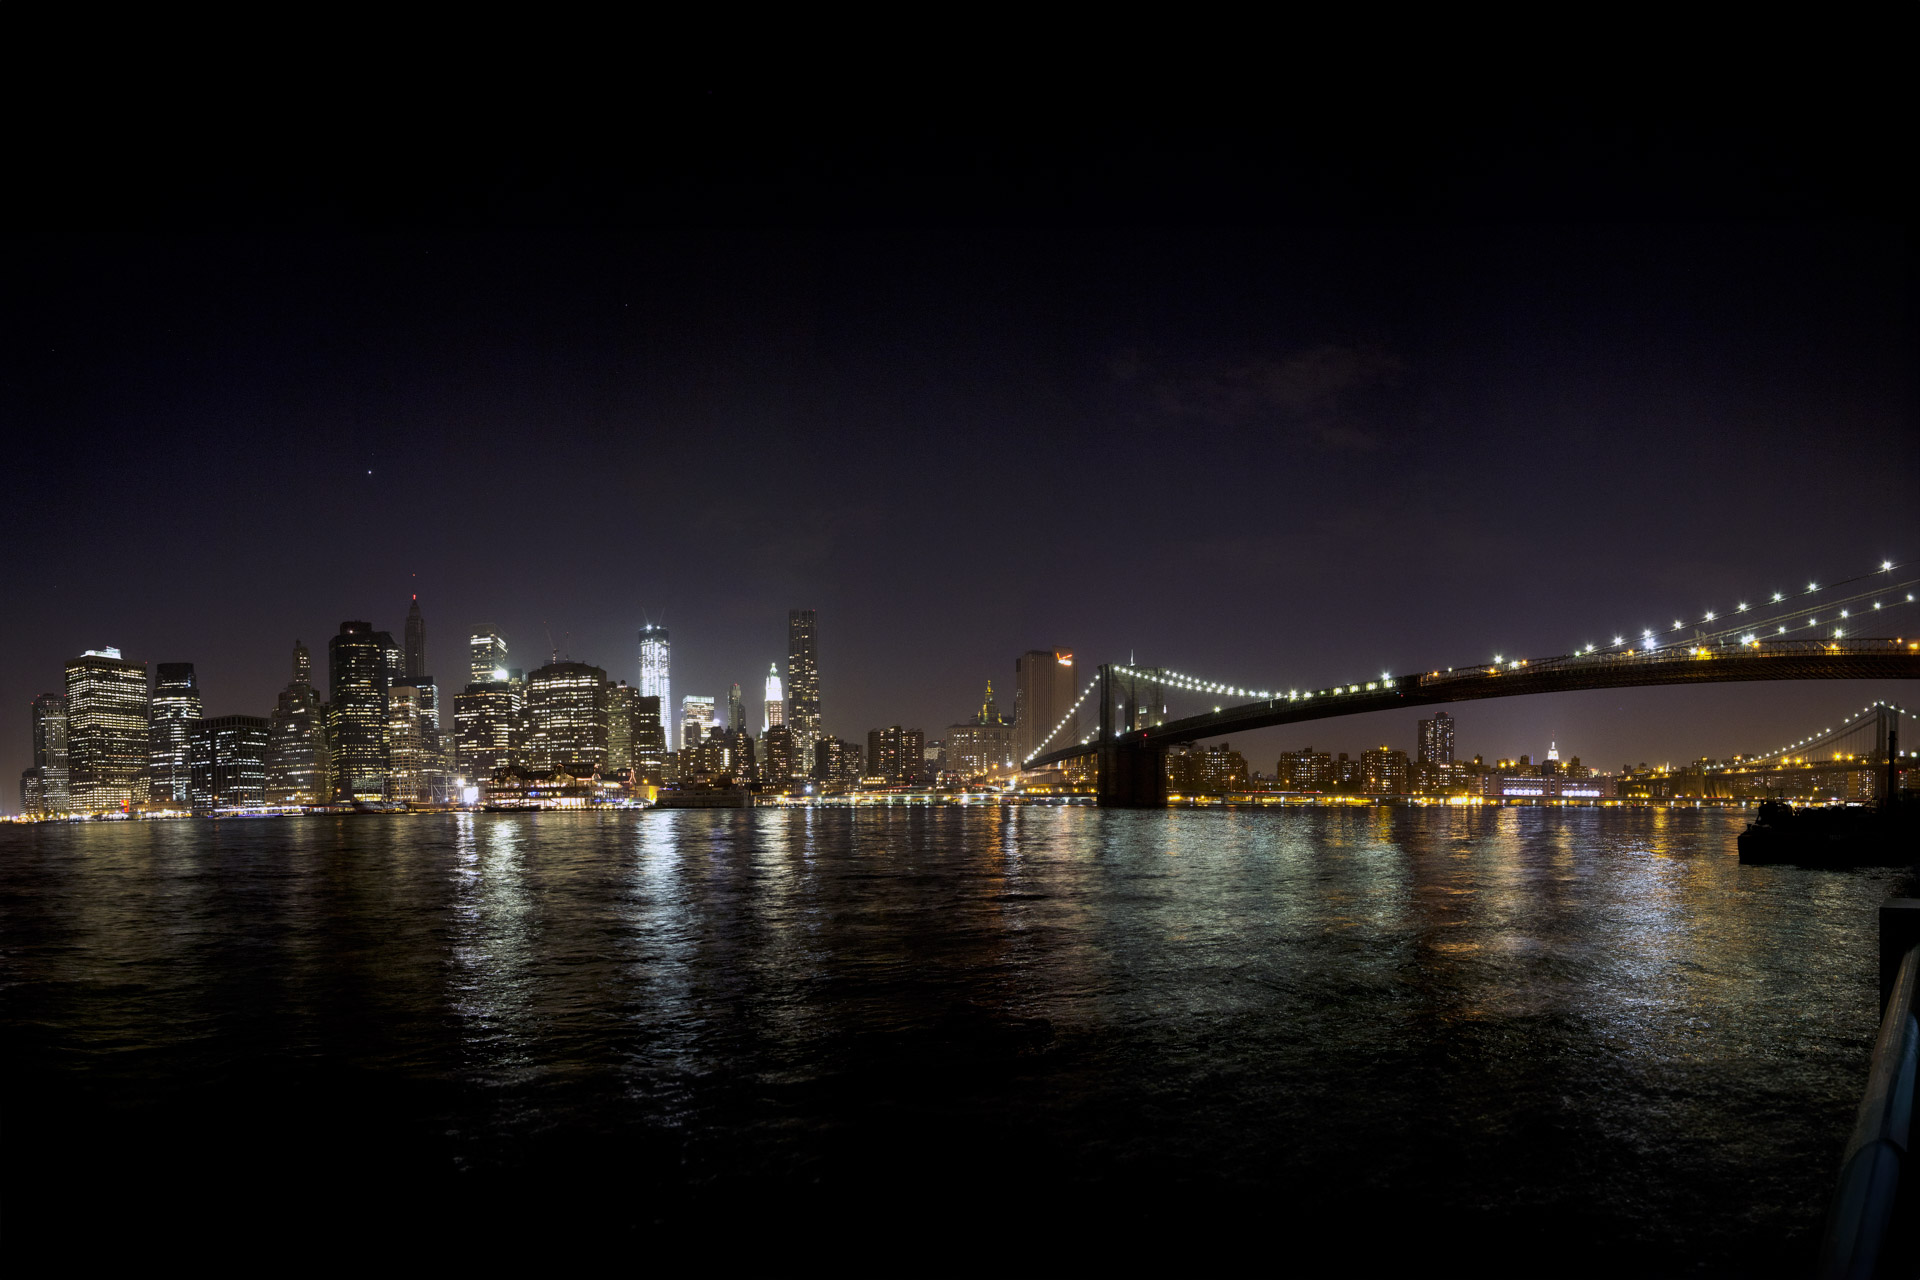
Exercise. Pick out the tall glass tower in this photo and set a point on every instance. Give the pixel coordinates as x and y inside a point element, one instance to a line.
<point>357,687</point>
<point>172,710</point>
<point>803,682</point>
<point>655,659</point>
<point>486,655</point>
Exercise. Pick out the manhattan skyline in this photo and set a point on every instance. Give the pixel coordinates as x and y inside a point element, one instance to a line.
<point>1257,428</point>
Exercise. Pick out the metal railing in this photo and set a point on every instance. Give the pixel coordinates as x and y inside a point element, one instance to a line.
<point>1863,1203</point>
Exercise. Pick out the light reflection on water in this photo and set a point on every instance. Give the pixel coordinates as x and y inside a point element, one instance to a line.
<point>1523,1018</point>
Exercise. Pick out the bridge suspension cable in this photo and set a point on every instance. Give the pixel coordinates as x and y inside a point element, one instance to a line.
<point>1813,742</point>
<point>1064,720</point>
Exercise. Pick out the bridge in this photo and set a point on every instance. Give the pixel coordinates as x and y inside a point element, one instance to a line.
<point>1782,639</point>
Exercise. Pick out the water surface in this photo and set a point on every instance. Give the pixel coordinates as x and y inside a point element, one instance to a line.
<point>1533,1038</point>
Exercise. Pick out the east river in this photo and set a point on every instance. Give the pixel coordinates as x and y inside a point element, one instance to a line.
<point>1519,1040</point>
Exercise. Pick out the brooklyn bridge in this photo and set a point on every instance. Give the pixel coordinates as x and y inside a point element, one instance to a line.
<point>1808,636</point>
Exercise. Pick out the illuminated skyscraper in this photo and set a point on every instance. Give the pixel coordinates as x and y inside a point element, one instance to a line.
<point>776,708</point>
<point>46,780</point>
<point>106,731</point>
<point>174,707</point>
<point>297,757</point>
<point>567,718</point>
<point>655,662</point>
<point>486,656</point>
<point>1436,741</point>
<point>228,769</point>
<point>649,740</point>
<point>416,633</point>
<point>696,708</point>
<point>357,689</point>
<point>410,761</point>
<point>1045,686</point>
<point>803,681</point>
<point>489,720</point>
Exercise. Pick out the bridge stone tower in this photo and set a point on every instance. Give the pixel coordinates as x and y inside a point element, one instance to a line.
<point>1132,771</point>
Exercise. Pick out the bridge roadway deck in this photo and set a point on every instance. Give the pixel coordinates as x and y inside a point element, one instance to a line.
<point>1878,659</point>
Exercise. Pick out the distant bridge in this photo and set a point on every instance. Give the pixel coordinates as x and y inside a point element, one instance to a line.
<point>1133,733</point>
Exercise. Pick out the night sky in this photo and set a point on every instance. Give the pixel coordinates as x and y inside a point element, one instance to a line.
<point>1263,411</point>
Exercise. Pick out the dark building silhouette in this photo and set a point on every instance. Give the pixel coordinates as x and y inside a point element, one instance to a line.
<point>415,660</point>
<point>229,765</point>
<point>43,787</point>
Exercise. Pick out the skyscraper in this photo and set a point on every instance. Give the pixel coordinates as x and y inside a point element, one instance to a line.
<point>803,681</point>
<point>736,710</point>
<point>696,708</point>
<point>567,718</point>
<point>106,731</point>
<point>1045,686</point>
<point>297,757</point>
<point>776,708</point>
<point>171,713</point>
<point>48,714</point>
<point>228,765</point>
<point>416,633</point>
<point>489,720</point>
<point>1433,754</point>
<point>649,740</point>
<point>655,662</point>
<point>409,758</point>
<point>486,656</point>
<point>357,688</point>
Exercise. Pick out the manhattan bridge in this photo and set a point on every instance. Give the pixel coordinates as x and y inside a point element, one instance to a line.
<point>1839,630</point>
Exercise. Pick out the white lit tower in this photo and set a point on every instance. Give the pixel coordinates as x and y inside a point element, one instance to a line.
<point>776,708</point>
<point>656,656</point>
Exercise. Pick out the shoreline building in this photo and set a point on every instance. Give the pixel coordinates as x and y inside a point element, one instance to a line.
<point>357,690</point>
<point>656,664</point>
<point>489,728</point>
<point>106,732</point>
<point>43,785</point>
<point>229,766</point>
<point>775,711</point>
<point>567,719</point>
<point>172,711</point>
<point>1433,757</point>
<point>803,681</point>
<point>1045,687</point>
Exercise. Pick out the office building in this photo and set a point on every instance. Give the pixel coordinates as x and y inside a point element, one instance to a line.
<point>357,684</point>
<point>883,754</point>
<point>649,741</point>
<point>803,681</point>
<point>698,709</point>
<point>298,772</point>
<point>171,712</point>
<point>736,710</point>
<point>47,717</point>
<point>775,710</point>
<point>779,764</point>
<point>656,663</point>
<point>567,719</point>
<point>1045,687</point>
<point>486,656</point>
<point>489,729</point>
<point>228,766</point>
<point>410,772</point>
<point>622,701</point>
<point>106,732</point>
<point>414,662</point>
<point>983,745</point>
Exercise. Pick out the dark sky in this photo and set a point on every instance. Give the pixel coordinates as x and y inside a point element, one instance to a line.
<point>1276,413</point>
